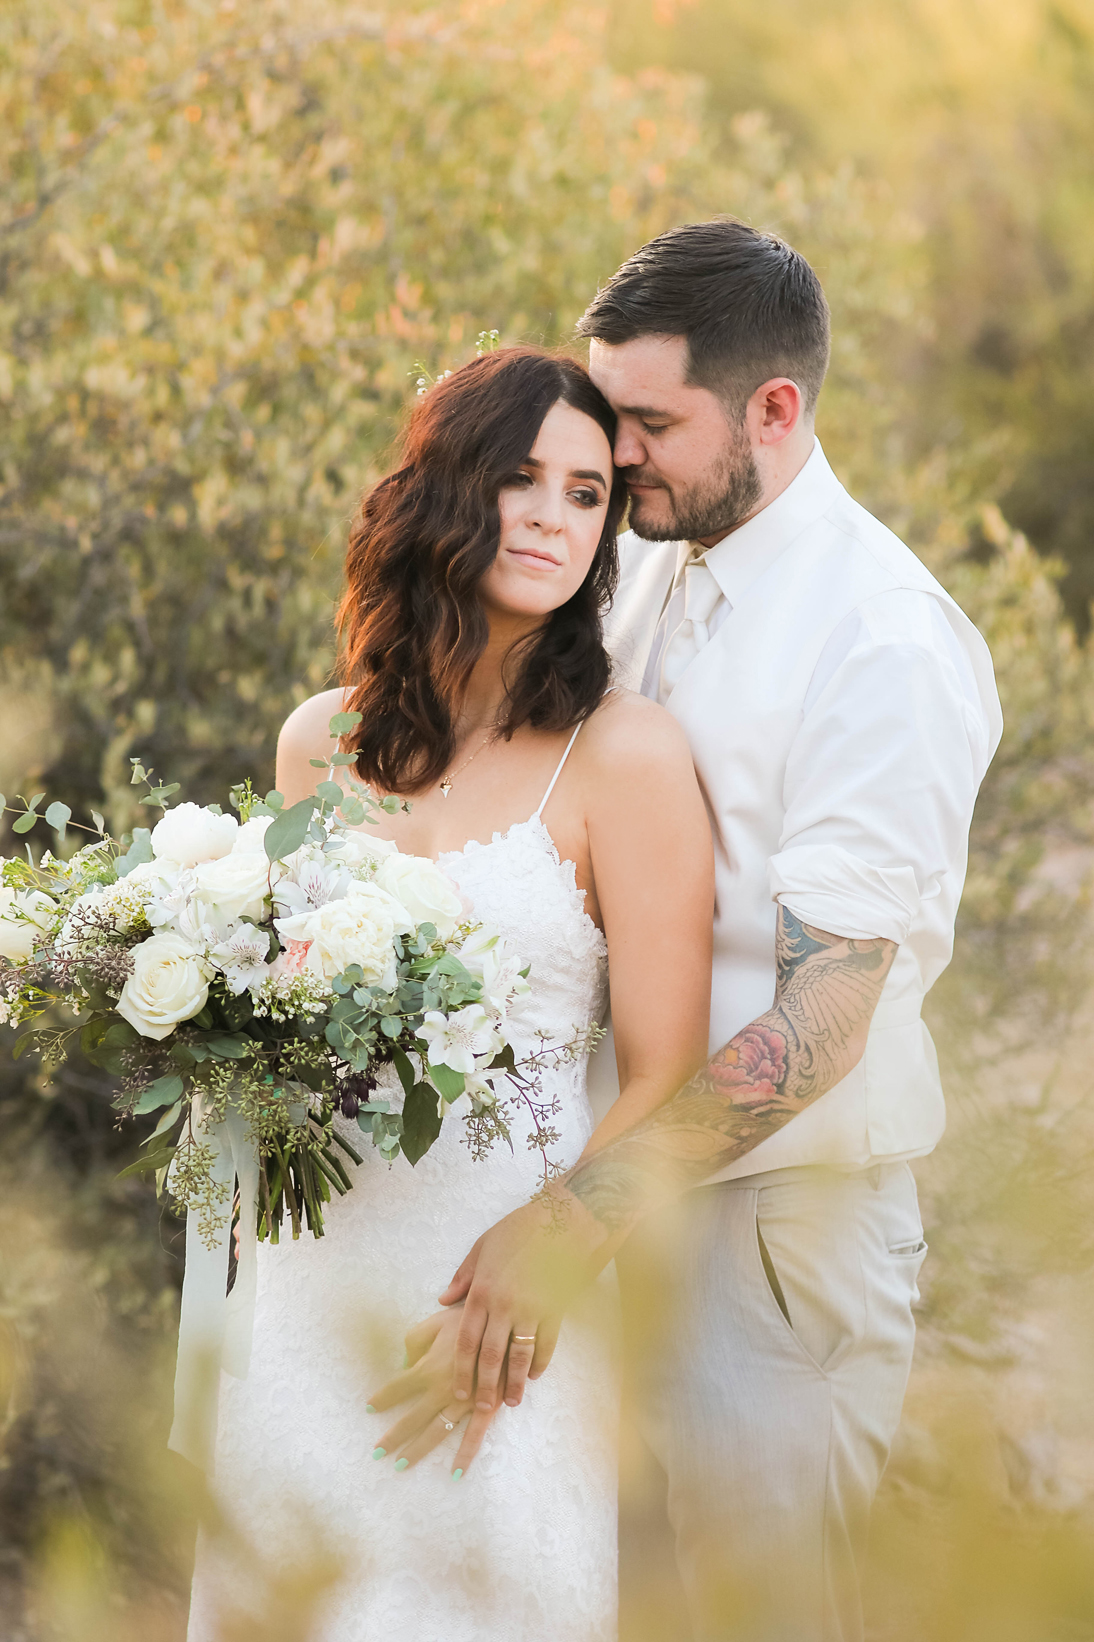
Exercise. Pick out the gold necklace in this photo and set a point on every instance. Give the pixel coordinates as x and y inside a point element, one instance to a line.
<point>446,784</point>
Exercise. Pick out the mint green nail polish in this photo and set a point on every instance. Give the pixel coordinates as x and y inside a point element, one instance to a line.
<point>401,1465</point>
<point>457,1474</point>
<point>378,1453</point>
<point>369,1409</point>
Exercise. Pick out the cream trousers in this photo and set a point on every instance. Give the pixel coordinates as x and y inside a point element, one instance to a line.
<point>769,1338</point>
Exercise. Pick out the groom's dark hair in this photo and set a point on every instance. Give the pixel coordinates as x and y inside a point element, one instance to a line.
<point>749,305</point>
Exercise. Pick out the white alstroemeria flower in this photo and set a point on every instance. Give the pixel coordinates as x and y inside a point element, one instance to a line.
<point>169,984</point>
<point>242,958</point>
<point>167,894</point>
<point>487,1088</point>
<point>474,951</point>
<point>455,1040</point>
<point>25,915</point>
<point>191,833</point>
<point>504,988</point>
<point>311,879</point>
<point>358,929</point>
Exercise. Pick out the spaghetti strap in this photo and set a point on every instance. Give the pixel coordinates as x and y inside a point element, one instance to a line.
<point>538,814</point>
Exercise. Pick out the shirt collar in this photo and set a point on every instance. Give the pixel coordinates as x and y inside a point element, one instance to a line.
<point>740,558</point>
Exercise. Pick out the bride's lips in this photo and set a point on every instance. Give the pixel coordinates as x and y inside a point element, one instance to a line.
<point>534,558</point>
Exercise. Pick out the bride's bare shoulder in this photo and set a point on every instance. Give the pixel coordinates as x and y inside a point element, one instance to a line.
<point>306,731</point>
<point>305,735</point>
<point>631,738</point>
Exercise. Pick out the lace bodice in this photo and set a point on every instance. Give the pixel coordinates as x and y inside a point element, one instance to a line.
<point>523,1549</point>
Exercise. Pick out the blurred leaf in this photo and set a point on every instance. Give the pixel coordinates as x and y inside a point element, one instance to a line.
<point>421,1121</point>
<point>163,1092</point>
<point>289,830</point>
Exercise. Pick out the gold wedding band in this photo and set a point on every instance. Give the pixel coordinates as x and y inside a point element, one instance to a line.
<point>525,1339</point>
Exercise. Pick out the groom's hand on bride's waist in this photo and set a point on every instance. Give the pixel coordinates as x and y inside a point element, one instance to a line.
<point>515,1285</point>
<point>521,1275</point>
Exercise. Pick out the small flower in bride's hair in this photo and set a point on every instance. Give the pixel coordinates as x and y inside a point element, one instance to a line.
<point>757,1069</point>
<point>456,1040</point>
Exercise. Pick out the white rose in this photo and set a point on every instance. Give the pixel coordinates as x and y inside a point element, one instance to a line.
<point>428,895</point>
<point>357,930</point>
<point>25,915</point>
<point>189,834</point>
<point>361,849</point>
<point>169,984</point>
<point>248,840</point>
<point>232,888</point>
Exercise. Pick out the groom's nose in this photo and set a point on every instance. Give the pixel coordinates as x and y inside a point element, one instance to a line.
<point>629,450</point>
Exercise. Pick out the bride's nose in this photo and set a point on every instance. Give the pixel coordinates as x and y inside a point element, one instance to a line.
<point>546,511</point>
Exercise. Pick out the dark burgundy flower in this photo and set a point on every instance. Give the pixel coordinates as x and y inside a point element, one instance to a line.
<point>758,1069</point>
<point>356,1089</point>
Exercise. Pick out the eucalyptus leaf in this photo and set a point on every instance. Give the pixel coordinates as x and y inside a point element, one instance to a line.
<point>318,763</point>
<point>157,1159</point>
<point>139,851</point>
<point>34,802</point>
<point>290,829</point>
<point>169,1117</point>
<point>25,822</point>
<point>342,759</point>
<point>343,723</point>
<point>100,822</point>
<point>59,815</point>
<point>224,1047</point>
<point>163,1092</point>
<point>330,791</point>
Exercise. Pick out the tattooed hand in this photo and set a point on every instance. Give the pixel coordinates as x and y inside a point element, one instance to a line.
<point>826,990</point>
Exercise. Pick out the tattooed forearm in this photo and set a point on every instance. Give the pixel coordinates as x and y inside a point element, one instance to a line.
<point>827,988</point>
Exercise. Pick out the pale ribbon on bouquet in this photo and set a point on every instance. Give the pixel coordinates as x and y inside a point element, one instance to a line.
<point>215,1327</point>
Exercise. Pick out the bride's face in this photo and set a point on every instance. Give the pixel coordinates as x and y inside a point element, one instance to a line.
<point>552,517</point>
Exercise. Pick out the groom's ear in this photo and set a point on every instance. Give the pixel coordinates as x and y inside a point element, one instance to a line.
<point>775,411</point>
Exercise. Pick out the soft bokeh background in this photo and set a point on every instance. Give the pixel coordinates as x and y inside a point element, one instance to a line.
<point>228,232</point>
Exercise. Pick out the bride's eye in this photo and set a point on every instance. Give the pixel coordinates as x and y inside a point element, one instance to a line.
<point>587,498</point>
<point>517,481</point>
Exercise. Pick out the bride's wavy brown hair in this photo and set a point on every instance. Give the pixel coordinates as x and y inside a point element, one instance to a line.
<point>411,621</point>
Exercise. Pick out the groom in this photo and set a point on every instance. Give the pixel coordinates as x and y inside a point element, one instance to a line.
<point>841,712</point>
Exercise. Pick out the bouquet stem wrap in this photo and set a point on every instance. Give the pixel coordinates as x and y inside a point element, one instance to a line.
<point>215,1327</point>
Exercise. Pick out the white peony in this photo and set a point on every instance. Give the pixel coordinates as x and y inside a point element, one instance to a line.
<point>359,929</point>
<point>25,915</point>
<point>169,984</point>
<point>249,839</point>
<point>189,834</point>
<point>430,897</point>
<point>232,888</point>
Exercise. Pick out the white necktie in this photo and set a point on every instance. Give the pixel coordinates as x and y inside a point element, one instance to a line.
<point>683,644</point>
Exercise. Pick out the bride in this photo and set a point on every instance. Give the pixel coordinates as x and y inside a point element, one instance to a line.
<point>569,816</point>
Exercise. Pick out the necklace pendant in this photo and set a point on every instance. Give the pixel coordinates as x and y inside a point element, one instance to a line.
<point>446,786</point>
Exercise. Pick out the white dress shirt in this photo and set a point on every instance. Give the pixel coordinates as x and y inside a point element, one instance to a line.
<point>841,711</point>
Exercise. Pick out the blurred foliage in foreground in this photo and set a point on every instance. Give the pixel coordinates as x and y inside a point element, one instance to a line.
<point>227,233</point>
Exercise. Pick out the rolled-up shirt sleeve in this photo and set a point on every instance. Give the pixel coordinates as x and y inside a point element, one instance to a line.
<point>883,774</point>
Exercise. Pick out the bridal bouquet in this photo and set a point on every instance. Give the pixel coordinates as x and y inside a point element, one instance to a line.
<point>248,974</point>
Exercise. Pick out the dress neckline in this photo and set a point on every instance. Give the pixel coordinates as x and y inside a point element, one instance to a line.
<point>539,828</point>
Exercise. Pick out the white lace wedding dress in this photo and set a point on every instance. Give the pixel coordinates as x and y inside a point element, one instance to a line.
<point>523,1548</point>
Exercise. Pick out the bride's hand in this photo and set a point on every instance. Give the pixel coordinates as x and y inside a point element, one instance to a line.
<point>513,1287</point>
<point>426,1383</point>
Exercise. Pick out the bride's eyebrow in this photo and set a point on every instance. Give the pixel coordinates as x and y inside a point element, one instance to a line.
<point>575,473</point>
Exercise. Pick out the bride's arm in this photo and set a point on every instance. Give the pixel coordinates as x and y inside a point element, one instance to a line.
<point>652,861</point>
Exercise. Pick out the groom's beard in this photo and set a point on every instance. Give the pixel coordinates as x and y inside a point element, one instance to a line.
<point>722,500</point>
